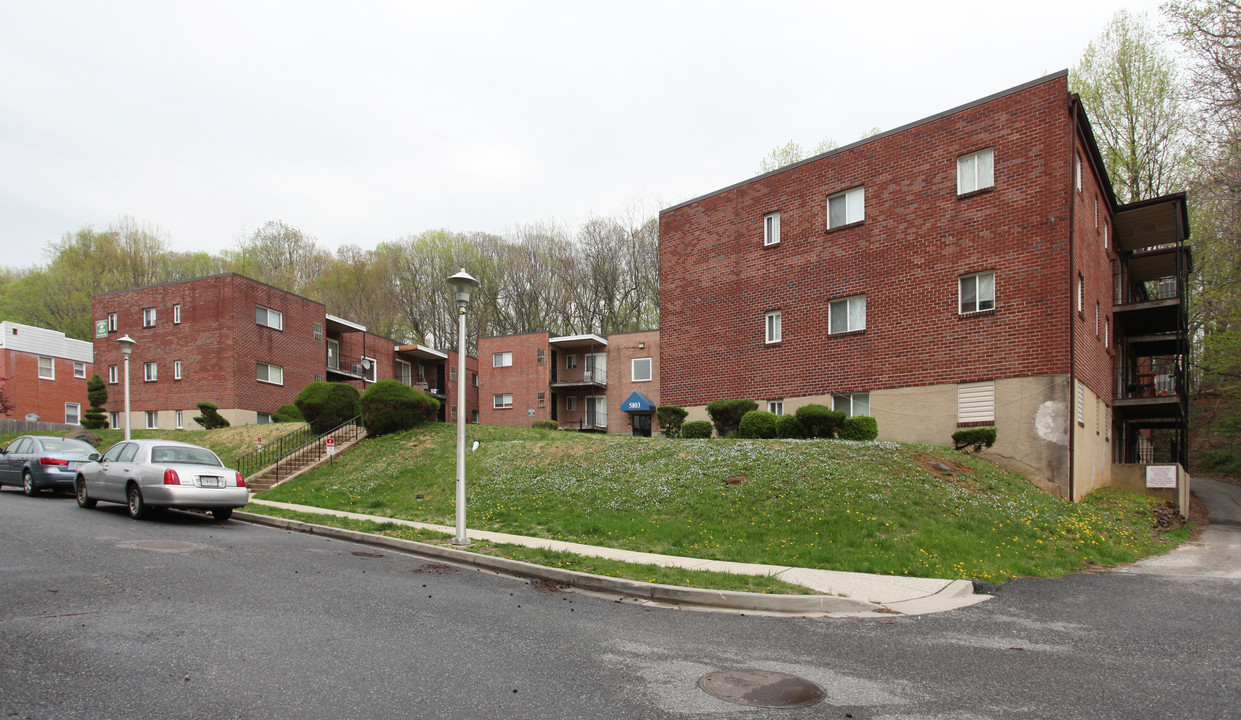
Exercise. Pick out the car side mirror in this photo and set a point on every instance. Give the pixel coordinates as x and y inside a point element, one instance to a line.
<point>94,457</point>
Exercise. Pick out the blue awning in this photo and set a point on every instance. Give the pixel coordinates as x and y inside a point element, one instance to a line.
<point>637,402</point>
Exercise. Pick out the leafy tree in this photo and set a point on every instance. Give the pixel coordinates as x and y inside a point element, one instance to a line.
<point>6,404</point>
<point>280,255</point>
<point>95,418</point>
<point>792,152</point>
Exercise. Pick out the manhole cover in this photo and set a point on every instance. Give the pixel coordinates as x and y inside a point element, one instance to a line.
<point>761,688</point>
<point>160,545</point>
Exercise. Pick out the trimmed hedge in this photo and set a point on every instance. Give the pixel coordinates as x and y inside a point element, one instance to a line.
<point>288,413</point>
<point>788,426</point>
<point>210,419</point>
<point>325,405</point>
<point>726,414</point>
<point>758,424</point>
<point>695,430</point>
<point>390,406</point>
<point>95,418</point>
<point>819,421</point>
<point>670,418</point>
<point>545,425</point>
<point>859,427</point>
<point>973,439</point>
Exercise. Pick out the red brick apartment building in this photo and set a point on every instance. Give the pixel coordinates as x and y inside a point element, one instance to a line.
<point>245,346</point>
<point>971,268</point>
<point>47,373</point>
<point>585,382</point>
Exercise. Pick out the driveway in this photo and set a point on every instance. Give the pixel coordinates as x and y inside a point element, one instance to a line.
<point>1217,551</point>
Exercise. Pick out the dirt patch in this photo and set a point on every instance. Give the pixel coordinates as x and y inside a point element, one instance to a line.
<point>364,554</point>
<point>735,480</point>
<point>546,586</point>
<point>434,569</point>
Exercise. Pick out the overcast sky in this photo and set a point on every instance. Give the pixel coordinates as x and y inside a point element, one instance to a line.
<point>366,121</point>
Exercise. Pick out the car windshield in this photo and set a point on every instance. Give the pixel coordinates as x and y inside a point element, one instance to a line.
<point>184,455</point>
<point>67,445</point>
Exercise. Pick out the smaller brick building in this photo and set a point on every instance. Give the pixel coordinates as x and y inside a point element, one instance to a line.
<point>46,371</point>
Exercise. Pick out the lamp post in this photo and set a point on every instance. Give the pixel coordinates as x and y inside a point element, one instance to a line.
<point>127,347</point>
<point>462,283</point>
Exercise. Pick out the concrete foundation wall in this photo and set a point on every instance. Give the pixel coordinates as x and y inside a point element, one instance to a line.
<point>1133,477</point>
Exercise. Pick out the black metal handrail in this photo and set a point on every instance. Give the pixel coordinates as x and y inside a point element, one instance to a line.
<point>286,445</point>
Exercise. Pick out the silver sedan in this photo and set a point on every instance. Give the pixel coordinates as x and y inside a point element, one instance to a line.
<point>147,474</point>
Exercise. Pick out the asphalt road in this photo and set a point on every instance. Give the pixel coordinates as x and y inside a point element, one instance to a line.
<point>182,617</point>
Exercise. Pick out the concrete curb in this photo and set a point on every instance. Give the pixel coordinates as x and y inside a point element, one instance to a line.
<point>690,598</point>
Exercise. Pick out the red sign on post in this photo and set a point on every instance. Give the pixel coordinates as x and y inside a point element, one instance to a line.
<point>331,446</point>
<point>260,444</point>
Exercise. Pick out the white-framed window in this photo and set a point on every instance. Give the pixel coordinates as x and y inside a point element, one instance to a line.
<point>474,416</point>
<point>114,375</point>
<point>273,319</point>
<point>371,374</point>
<point>975,171</point>
<point>474,379</point>
<point>403,372</point>
<point>263,418</point>
<point>176,314</point>
<point>542,399</point>
<point>640,370</point>
<point>852,403</point>
<point>176,369</point>
<point>152,420</point>
<point>267,373</point>
<point>771,228</point>
<point>150,372</point>
<point>148,317</point>
<point>1107,240</point>
<point>180,421</point>
<point>570,403</point>
<point>317,331</point>
<point>73,413</point>
<point>47,368</point>
<point>452,373</point>
<point>847,314</point>
<point>775,407</point>
<point>977,292</point>
<point>570,362</point>
<point>1081,290</point>
<point>111,322</point>
<point>976,402</point>
<point>422,372</point>
<point>454,412</point>
<point>502,400</point>
<point>502,359</point>
<point>114,420</point>
<point>542,355</point>
<point>79,369</point>
<point>846,207</point>
<point>772,329</point>
<point>1107,332</point>
<point>1077,171</point>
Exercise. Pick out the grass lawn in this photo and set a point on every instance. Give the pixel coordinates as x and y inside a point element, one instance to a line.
<point>867,507</point>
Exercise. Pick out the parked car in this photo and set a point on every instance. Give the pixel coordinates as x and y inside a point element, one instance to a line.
<point>39,462</point>
<point>148,474</point>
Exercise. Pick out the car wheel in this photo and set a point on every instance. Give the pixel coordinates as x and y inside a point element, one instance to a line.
<point>222,514</point>
<point>28,484</point>
<point>84,500</point>
<point>138,509</point>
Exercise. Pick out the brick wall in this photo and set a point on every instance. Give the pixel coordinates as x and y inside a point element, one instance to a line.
<point>623,349</point>
<point>28,393</point>
<point>523,380</point>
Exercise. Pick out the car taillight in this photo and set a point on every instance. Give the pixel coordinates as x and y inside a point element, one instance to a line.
<point>170,477</point>
<point>241,482</point>
<point>52,461</point>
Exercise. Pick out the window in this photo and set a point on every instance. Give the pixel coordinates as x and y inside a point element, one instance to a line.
<point>180,420</point>
<point>454,412</point>
<point>149,372</point>
<point>474,379</point>
<point>176,370</point>
<point>422,372</point>
<point>333,354</point>
<point>502,400</point>
<point>474,416</point>
<point>773,327</point>
<point>1077,171</point>
<point>978,292</point>
<point>771,228</point>
<point>1096,213</point>
<point>852,403</point>
<point>148,317</point>
<point>846,207</point>
<point>640,370</point>
<point>775,407</point>
<point>542,398</point>
<point>114,374</point>
<point>403,372</point>
<point>114,419</point>
<point>1081,283</point>
<point>1107,332</point>
<point>318,331</point>
<point>1106,235</point>
<point>73,413</point>
<point>111,322</point>
<point>152,420</point>
<point>47,368</point>
<point>273,374</point>
<point>1097,314</point>
<point>370,369</point>
<point>176,314</point>
<point>502,359</point>
<point>975,171</point>
<point>976,402</point>
<point>263,418</point>
<point>570,403</point>
<point>452,373</point>
<point>570,362</point>
<point>79,369</point>
<point>541,355</point>
<point>271,318</point>
<point>847,314</point>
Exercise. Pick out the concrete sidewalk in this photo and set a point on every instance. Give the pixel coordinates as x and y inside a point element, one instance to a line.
<point>843,593</point>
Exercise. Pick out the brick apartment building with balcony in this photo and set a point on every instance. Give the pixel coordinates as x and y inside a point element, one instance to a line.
<point>47,373</point>
<point>971,268</point>
<point>246,346</point>
<point>585,382</point>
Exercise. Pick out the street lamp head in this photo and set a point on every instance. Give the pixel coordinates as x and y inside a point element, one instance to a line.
<point>463,283</point>
<point>127,345</point>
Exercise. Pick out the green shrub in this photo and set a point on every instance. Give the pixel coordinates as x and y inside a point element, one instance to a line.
<point>670,419</point>
<point>288,413</point>
<point>1224,462</point>
<point>391,406</point>
<point>726,414</point>
<point>973,439</point>
<point>545,425</point>
<point>788,426</point>
<point>325,405</point>
<point>97,393</point>
<point>859,427</point>
<point>695,430</point>
<point>210,418</point>
<point>758,424</point>
<point>819,421</point>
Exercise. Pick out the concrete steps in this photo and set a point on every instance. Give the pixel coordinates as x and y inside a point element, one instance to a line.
<point>300,461</point>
